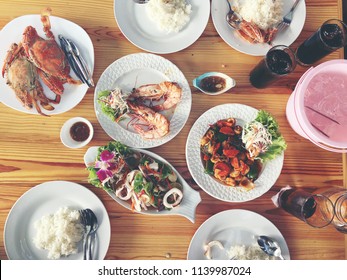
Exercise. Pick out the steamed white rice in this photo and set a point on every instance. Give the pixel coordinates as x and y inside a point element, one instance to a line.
<point>59,233</point>
<point>169,15</point>
<point>264,13</point>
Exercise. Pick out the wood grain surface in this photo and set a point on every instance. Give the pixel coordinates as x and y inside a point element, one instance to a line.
<point>31,152</point>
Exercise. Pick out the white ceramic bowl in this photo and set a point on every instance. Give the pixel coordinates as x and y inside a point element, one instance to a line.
<point>65,135</point>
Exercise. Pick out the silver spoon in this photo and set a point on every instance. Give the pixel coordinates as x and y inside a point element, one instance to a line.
<point>232,18</point>
<point>269,246</point>
<point>141,1</point>
<point>94,227</point>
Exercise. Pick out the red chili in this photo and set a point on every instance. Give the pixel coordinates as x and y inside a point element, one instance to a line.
<point>230,153</point>
<point>227,130</point>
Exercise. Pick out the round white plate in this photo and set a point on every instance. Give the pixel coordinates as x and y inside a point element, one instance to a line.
<point>242,113</point>
<point>234,227</point>
<point>219,9</point>
<point>141,31</point>
<point>191,197</point>
<point>45,199</point>
<point>12,33</point>
<point>135,70</point>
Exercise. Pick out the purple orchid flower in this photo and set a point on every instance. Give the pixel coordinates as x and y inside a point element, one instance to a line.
<point>106,165</point>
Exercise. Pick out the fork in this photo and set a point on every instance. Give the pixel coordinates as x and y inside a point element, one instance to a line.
<point>92,232</point>
<point>287,19</point>
<point>88,223</point>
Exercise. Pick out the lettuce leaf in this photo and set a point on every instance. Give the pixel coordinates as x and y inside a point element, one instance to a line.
<point>278,143</point>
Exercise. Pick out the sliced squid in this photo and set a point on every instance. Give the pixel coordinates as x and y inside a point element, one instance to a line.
<point>209,246</point>
<point>178,197</point>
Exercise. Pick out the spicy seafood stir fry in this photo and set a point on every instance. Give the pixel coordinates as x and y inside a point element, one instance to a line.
<point>139,107</point>
<point>145,182</point>
<point>235,154</point>
<point>226,158</point>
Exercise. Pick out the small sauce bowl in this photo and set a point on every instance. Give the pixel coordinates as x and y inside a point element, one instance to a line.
<point>214,83</point>
<point>76,132</point>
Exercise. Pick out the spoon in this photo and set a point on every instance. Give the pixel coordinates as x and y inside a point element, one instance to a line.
<point>94,227</point>
<point>232,18</point>
<point>269,246</point>
<point>141,1</point>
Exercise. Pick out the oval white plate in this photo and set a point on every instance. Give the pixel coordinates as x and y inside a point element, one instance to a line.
<point>243,114</point>
<point>136,26</point>
<point>219,9</point>
<point>12,33</point>
<point>234,227</point>
<point>45,199</point>
<point>191,198</point>
<point>135,70</point>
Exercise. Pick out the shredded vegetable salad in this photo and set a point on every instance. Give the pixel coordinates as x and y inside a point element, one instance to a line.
<point>262,137</point>
<point>135,177</point>
<point>113,103</point>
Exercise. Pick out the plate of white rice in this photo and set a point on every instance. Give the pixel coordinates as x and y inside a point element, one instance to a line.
<point>265,14</point>
<point>162,26</point>
<point>44,223</point>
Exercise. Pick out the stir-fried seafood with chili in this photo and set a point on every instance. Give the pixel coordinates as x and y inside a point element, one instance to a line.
<point>145,116</point>
<point>225,157</point>
<point>136,177</point>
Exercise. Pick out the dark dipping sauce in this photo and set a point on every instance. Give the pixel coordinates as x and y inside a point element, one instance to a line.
<point>212,84</point>
<point>79,131</point>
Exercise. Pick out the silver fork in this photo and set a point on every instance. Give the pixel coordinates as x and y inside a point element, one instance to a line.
<point>287,19</point>
<point>88,224</point>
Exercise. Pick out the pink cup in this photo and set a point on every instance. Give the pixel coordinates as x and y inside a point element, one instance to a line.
<point>301,118</point>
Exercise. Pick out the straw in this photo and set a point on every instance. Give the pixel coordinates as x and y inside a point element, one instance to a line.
<point>319,113</point>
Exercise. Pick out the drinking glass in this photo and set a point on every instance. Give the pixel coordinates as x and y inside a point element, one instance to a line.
<point>331,36</point>
<point>316,210</point>
<point>338,197</point>
<point>278,62</point>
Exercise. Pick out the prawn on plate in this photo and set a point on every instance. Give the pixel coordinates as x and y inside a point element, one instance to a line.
<point>146,118</point>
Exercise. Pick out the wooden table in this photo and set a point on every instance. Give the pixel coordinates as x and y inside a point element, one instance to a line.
<point>31,152</point>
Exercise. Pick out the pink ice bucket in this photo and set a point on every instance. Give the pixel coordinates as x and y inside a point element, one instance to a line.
<point>297,109</point>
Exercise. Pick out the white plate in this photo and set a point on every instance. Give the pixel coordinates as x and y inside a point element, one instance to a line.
<point>12,33</point>
<point>219,9</point>
<point>136,26</point>
<point>45,199</point>
<point>234,228</point>
<point>190,201</point>
<point>135,70</point>
<point>242,113</point>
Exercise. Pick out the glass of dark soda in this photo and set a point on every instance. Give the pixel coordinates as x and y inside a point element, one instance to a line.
<point>278,62</point>
<point>332,35</point>
<point>316,210</point>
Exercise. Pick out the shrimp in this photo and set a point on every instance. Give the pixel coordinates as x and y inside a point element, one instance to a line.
<point>170,91</point>
<point>157,124</point>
